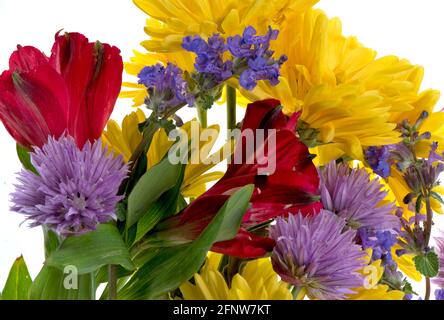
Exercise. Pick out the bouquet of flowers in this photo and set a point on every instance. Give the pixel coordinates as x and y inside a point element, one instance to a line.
<point>331,185</point>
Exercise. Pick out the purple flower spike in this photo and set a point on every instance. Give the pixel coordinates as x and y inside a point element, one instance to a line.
<point>166,88</point>
<point>352,195</point>
<point>75,189</point>
<point>314,253</point>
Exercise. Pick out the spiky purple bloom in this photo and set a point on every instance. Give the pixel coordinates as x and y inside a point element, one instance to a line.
<point>75,189</point>
<point>255,59</point>
<point>352,195</point>
<point>379,160</point>
<point>439,280</point>
<point>166,86</point>
<point>210,57</point>
<point>315,253</point>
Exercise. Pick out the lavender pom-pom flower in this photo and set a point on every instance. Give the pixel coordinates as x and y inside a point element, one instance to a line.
<point>76,189</point>
<point>354,196</point>
<point>314,253</point>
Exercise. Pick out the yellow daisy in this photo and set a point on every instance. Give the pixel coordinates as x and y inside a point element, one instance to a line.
<point>349,96</point>
<point>171,20</point>
<point>256,281</point>
<point>124,140</point>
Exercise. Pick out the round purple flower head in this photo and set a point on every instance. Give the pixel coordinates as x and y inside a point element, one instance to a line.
<point>75,189</point>
<point>352,195</point>
<point>316,254</point>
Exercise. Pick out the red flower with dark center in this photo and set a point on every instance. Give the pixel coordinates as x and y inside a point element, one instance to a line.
<point>290,188</point>
<point>73,91</point>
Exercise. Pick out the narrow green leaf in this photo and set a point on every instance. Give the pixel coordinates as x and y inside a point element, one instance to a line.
<point>427,264</point>
<point>436,196</point>
<point>168,268</point>
<point>150,187</point>
<point>25,158</point>
<point>163,208</point>
<point>18,283</point>
<point>55,284</point>
<point>92,250</point>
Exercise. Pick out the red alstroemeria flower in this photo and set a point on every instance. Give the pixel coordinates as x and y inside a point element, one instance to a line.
<point>291,188</point>
<point>73,91</point>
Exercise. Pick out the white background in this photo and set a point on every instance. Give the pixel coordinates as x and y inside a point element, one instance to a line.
<point>412,29</point>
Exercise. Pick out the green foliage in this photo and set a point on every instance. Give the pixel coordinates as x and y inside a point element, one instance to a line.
<point>18,283</point>
<point>427,264</point>
<point>167,268</point>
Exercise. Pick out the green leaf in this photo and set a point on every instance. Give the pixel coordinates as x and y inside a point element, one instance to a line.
<point>51,240</point>
<point>150,187</point>
<point>90,251</point>
<point>55,284</point>
<point>18,283</point>
<point>167,268</point>
<point>25,158</point>
<point>427,264</point>
<point>163,208</point>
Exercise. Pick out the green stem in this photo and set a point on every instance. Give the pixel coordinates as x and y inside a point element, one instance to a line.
<point>427,234</point>
<point>231,108</point>
<point>202,115</point>
<point>112,282</point>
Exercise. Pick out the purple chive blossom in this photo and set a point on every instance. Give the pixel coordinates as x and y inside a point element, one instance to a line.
<point>439,280</point>
<point>166,87</point>
<point>379,159</point>
<point>76,189</point>
<point>210,57</point>
<point>352,195</point>
<point>255,57</point>
<point>314,253</point>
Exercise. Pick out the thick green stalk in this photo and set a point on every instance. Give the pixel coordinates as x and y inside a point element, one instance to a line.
<point>202,115</point>
<point>231,108</point>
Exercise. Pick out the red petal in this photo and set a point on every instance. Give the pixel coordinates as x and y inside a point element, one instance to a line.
<point>245,245</point>
<point>35,106</point>
<point>26,58</point>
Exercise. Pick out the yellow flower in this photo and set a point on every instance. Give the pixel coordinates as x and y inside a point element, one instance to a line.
<point>171,20</point>
<point>372,290</point>
<point>352,98</point>
<point>256,281</point>
<point>124,140</point>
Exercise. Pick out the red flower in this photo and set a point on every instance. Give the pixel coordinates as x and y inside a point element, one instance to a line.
<point>74,90</point>
<point>291,188</point>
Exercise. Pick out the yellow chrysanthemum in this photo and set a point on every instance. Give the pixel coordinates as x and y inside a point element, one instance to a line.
<point>124,140</point>
<point>171,20</point>
<point>373,290</point>
<point>342,90</point>
<point>256,281</point>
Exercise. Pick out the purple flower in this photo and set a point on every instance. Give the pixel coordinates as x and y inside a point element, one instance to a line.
<point>433,155</point>
<point>352,195</point>
<point>439,280</point>
<point>209,59</point>
<point>75,189</point>
<point>166,88</point>
<point>254,57</point>
<point>379,160</point>
<point>315,253</point>
<point>439,294</point>
<point>381,243</point>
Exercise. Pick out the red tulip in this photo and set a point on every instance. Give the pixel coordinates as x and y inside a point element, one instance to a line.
<point>73,91</point>
<point>290,189</point>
